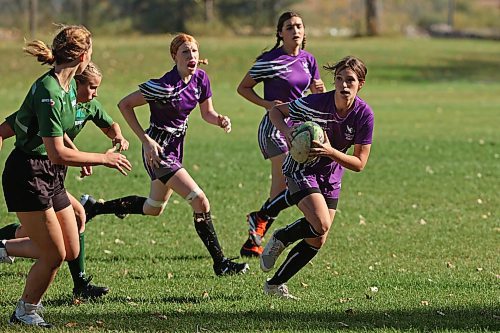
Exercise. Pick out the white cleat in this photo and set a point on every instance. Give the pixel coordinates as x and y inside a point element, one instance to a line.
<point>280,290</point>
<point>271,253</point>
<point>4,257</point>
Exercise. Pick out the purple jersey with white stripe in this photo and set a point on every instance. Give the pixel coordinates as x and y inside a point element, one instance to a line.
<point>285,78</point>
<point>356,128</point>
<point>171,100</point>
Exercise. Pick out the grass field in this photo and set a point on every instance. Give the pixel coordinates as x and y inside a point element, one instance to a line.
<point>420,223</point>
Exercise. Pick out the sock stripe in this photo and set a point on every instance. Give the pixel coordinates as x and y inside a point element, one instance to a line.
<point>288,260</point>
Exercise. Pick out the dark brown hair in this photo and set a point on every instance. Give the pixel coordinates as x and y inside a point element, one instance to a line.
<point>350,62</point>
<point>281,21</point>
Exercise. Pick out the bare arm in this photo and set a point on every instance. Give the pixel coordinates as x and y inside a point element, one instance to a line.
<point>317,86</point>
<point>114,132</point>
<point>151,148</point>
<point>209,114</point>
<point>355,162</point>
<point>277,115</point>
<point>5,132</point>
<point>58,153</point>
<point>126,106</point>
<point>246,90</point>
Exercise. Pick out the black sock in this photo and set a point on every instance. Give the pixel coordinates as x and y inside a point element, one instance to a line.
<point>127,205</point>
<point>273,207</point>
<point>77,266</point>
<point>299,229</point>
<point>9,231</point>
<point>205,229</point>
<point>298,257</point>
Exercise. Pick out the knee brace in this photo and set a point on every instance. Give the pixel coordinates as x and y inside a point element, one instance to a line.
<point>193,194</point>
<point>156,204</point>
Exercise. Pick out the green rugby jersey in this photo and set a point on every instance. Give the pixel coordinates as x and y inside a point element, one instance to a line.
<point>90,111</point>
<point>93,111</point>
<point>47,111</point>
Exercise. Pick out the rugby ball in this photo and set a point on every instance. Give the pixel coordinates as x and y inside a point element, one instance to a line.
<point>303,136</point>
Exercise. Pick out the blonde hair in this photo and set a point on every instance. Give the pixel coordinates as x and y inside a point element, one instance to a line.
<point>90,72</point>
<point>181,39</point>
<point>69,43</point>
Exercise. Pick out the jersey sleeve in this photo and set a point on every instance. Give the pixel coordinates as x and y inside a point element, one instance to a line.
<point>99,116</point>
<point>11,120</point>
<point>302,110</point>
<point>48,109</point>
<point>152,91</point>
<point>365,134</point>
<point>314,69</point>
<point>206,91</point>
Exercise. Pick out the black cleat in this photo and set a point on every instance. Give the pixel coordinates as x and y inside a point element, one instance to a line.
<point>88,290</point>
<point>88,202</point>
<point>229,267</point>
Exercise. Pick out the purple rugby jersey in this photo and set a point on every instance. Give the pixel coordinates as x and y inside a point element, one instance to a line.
<point>285,78</point>
<point>356,128</point>
<point>171,100</point>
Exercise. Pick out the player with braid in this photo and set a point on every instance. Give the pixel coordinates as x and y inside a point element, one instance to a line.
<point>347,120</point>
<point>33,177</point>
<point>287,72</point>
<point>171,99</point>
<point>87,109</point>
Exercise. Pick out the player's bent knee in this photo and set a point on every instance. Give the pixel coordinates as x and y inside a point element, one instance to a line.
<point>198,200</point>
<point>154,207</point>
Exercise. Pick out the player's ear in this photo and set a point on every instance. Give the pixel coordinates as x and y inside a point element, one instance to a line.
<point>361,84</point>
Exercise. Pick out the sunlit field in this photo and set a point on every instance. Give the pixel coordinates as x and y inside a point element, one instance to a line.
<point>420,224</point>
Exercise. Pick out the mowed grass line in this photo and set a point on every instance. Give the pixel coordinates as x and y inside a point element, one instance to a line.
<point>420,223</point>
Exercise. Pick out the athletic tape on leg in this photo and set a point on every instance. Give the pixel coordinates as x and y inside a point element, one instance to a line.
<point>155,203</point>
<point>194,193</point>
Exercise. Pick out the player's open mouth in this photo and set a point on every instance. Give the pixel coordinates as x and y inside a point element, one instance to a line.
<point>345,92</point>
<point>192,64</point>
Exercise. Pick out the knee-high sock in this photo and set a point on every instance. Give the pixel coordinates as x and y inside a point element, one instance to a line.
<point>205,229</point>
<point>298,257</point>
<point>272,208</point>
<point>299,229</point>
<point>127,205</point>
<point>77,266</point>
<point>9,231</point>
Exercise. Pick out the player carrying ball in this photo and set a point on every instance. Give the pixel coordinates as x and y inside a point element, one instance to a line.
<point>287,72</point>
<point>347,120</point>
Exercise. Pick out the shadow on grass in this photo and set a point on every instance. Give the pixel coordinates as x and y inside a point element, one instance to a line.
<point>428,319</point>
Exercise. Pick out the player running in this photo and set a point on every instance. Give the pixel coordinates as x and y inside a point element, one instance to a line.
<point>347,120</point>
<point>171,99</point>
<point>287,72</point>
<point>87,109</point>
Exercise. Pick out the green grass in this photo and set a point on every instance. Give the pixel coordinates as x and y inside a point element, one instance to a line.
<point>420,222</point>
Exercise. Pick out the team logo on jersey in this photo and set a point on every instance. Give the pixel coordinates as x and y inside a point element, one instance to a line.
<point>305,65</point>
<point>80,117</point>
<point>48,100</point>
<point>349,133</point>
<point>197,92</point>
